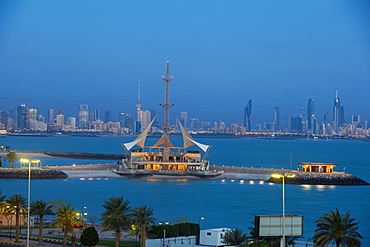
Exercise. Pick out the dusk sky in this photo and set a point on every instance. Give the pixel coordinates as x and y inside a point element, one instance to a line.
<point>59,54</point>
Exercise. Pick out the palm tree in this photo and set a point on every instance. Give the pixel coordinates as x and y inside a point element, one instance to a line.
<point>337,228</point>
<point>234,237</point>
<point>142,216</point>
<point>11,156</point>
<point>41,208</point>
<point>67,218</point>
<point>17,205</point>
<point>116,216</point>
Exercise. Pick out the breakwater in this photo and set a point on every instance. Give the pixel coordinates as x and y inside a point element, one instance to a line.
<point>308,178</point>
<point>322,179</point>
<point>75,155</point>
<point>19,173</point>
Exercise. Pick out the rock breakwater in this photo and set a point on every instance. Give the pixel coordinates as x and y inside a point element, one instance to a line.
<point>322,179</point>
<point>14,173</point>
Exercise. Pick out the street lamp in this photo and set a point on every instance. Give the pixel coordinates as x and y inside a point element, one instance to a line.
<point>164,232</point>
<point>283,176</point>
<point>83,213</point>
<point>29,195</point>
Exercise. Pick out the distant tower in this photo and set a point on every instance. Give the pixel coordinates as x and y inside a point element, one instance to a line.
<point>138,105</point>
<point>107,116</point>
<point>338,112</point>
<point>21,116</point>
<point>247,116</point>
<point>276,125</point>
<point>51,117</point>
<point>310,112</point>
<point>184,118</point>
<point>356,121</point>
<point>83,114</point>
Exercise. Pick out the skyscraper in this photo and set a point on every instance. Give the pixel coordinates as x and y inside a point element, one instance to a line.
<point>310,112</point>
<point>83,115</point>
<point>21,116</point>
<point>247,116</point>
<point>107,117</point>
<point>276,123</point>
<point>338,113</point>
<point>184,118</point>
<point>51,116</point>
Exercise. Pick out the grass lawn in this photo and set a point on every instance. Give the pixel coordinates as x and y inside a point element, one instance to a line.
<point>110,243</point>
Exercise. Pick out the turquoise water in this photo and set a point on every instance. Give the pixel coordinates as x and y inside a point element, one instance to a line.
<point>223,204</point>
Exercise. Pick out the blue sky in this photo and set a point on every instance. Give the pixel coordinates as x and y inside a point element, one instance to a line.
<point>60,54</point>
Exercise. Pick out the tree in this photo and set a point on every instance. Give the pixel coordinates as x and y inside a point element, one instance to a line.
<point>41,208</point>
<point>337,228</point>
<point>11,156</point>
<point>234,237</point>
<point>116,216</point>
<point>142,217</point>
<point>67,218</point>
<point>90,236</point>
<point>17,206</point>
<point>92,219</point>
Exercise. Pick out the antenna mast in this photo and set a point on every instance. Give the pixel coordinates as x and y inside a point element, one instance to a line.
<point>138,104</point>
<point>167,106</point>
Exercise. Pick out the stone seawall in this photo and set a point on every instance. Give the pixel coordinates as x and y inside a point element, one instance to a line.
<point>14,173</point>
<point>322,179</point>
<point>300,177</point>
<point>75,155</point>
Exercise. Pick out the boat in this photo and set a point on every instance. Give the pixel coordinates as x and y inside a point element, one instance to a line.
<point>163,159</point>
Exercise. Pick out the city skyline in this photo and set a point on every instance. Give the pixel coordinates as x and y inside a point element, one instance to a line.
<point>25,118</point>
<point>61,55</point>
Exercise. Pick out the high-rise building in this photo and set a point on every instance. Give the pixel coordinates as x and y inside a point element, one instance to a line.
<point>248,115</point>
<point>338,113</point>
<point>51,117</point>
<point>356,121</point>
<point>3,120</point>
<point>184,118</point>
<point>72,122</point>
<point>83,115</point>
<point>326,117</point>
<point>295,124</point>
<point>310,112</point>
<point>96,115</point>
<point>107,116</point>
<point>21,116</point>
<point>129,123</point>
<point>31,116</point>
<point>146,118</point>
<point>122,120</point>
<point>276,123</point>
<point>60,121</point>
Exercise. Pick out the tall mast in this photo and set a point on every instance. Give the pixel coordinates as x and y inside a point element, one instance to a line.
<point>167,106</point>
<point>166,121</point>
<point>138,104</point>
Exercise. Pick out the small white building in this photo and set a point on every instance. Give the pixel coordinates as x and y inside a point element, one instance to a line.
<point>213,237</point>
<point>210,237</point>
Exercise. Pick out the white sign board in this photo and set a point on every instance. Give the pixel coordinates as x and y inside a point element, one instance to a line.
<point>272,225</point>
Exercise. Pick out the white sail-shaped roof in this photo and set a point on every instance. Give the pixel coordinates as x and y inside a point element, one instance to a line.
<point>140,140</point>
<point>188,140</point>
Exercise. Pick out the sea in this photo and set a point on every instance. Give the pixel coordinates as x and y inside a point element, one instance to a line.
<point>232,204</point>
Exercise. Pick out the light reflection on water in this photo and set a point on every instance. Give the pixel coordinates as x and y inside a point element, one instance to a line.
<point>223,203</point>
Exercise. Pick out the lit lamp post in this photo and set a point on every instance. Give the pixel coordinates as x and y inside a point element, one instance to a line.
<point>283,176</point>
<point>83,213</point>
<point>164,232</point>
<point>29,195</point>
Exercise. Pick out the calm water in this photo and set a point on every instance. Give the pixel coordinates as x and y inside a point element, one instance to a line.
<point>223,204</point>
